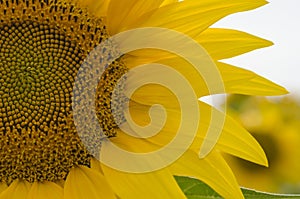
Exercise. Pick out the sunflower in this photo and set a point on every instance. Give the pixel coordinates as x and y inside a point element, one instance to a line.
<point>275,124</point>
<point>46,48</point>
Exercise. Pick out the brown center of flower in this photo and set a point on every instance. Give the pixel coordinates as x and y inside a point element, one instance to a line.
<point>42,46</point>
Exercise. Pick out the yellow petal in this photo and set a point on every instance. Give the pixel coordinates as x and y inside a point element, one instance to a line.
<point>212,170</point>
<point>166,2</point>
<point>96,7</point>
<point>45,189</point>
<point>3,186</point>
<point>95,165</point>
<point>143,144</point>
<point>148,95</point>
<point>235,80</point>
<point>123,13</point>
<point>154,94</point>
<point>139,145</point>
<point>159,184</point>
<point>83,183</point>
<point>145,56</point>
<point>193,16</point>
<point>245,146</point>
<point>225,43</point>
<point>234,139</point>
<point>129,152</point>
<point>60,183</point>
<point>159,128</point>
<point>18,189</point>
<point>242,81</point>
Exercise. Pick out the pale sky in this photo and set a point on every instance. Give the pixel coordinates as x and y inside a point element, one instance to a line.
<point>278,21</point>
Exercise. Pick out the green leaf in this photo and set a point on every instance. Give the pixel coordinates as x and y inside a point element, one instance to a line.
<point>195,189</point>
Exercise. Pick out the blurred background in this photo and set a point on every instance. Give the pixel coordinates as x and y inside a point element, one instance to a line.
<point>276,126</point>
<point>275,121</point>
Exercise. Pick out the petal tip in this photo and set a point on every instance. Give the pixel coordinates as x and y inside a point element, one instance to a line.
<point>280,91</point>
<point>269,43</point>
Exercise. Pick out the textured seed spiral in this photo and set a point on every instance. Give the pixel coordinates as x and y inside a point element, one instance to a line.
<point>42,46</point>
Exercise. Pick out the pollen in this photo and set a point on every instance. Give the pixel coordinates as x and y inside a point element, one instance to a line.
<point>42,46</point>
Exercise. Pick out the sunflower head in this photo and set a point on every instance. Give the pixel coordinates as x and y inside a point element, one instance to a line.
<point>43,45</point>
<point>48,52</point>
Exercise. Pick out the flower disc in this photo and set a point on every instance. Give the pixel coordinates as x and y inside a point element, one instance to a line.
<point>42,47</point>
